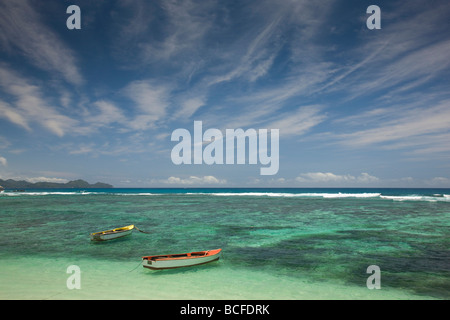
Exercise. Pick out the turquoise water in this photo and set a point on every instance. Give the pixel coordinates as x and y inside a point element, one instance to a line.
<point>277,243</point>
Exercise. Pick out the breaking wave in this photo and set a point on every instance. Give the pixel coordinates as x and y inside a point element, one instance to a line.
<point>432,197</point>
<point>295,195</point>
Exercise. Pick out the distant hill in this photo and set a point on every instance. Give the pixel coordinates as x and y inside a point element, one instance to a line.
<point>76,184</point>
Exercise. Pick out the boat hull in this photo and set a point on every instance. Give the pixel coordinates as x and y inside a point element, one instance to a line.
<point>112,234</point>
<point>181,260</point>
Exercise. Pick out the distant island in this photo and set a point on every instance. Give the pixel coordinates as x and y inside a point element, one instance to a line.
<point>76,184</point>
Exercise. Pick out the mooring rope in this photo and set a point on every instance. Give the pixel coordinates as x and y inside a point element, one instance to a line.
<point>137,266</point>
<point>141,230</point>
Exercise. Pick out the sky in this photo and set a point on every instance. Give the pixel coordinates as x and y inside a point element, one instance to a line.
<point>355,107</point>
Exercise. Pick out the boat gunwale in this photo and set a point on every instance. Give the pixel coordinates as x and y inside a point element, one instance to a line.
<point>183,256</point>
<point>113,231</point>
<point>176,267</point>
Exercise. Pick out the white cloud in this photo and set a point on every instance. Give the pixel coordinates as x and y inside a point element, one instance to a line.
<point>328,177</point>
<point>439,182</point>
<point>43,178</point>
<point>194,180</point>
<point>3,161</point>
<point>46,179</point>
<point>366,178</point>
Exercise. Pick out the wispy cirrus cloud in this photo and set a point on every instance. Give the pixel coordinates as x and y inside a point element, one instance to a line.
<point>309,68</point>
<point>406,73</point>
<point>256,59</point>
<point>29,105</point>
<point>104,113</point>
<point>415,127</point>
<point>181,35</point>
<point>14,116</point>
<point>151,101</point>
<point>24,32</point>
<point>396,80</point>
<point>298,122</point>
<point>407,53</point>
<point>195,40</point>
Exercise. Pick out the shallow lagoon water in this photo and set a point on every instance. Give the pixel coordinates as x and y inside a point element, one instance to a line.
<point>277,244</point>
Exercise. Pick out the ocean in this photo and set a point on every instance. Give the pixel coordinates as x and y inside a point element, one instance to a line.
<point>278,244</point>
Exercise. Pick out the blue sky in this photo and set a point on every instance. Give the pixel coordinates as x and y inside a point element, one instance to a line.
<point>355,107</point>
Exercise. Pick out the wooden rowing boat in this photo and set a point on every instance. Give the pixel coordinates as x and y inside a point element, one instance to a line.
<point>170,261</point>
<point>112,234</point>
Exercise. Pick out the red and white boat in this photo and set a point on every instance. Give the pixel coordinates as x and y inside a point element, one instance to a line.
<point>171,261</point>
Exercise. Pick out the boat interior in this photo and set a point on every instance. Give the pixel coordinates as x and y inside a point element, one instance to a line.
<point>181,255</point>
